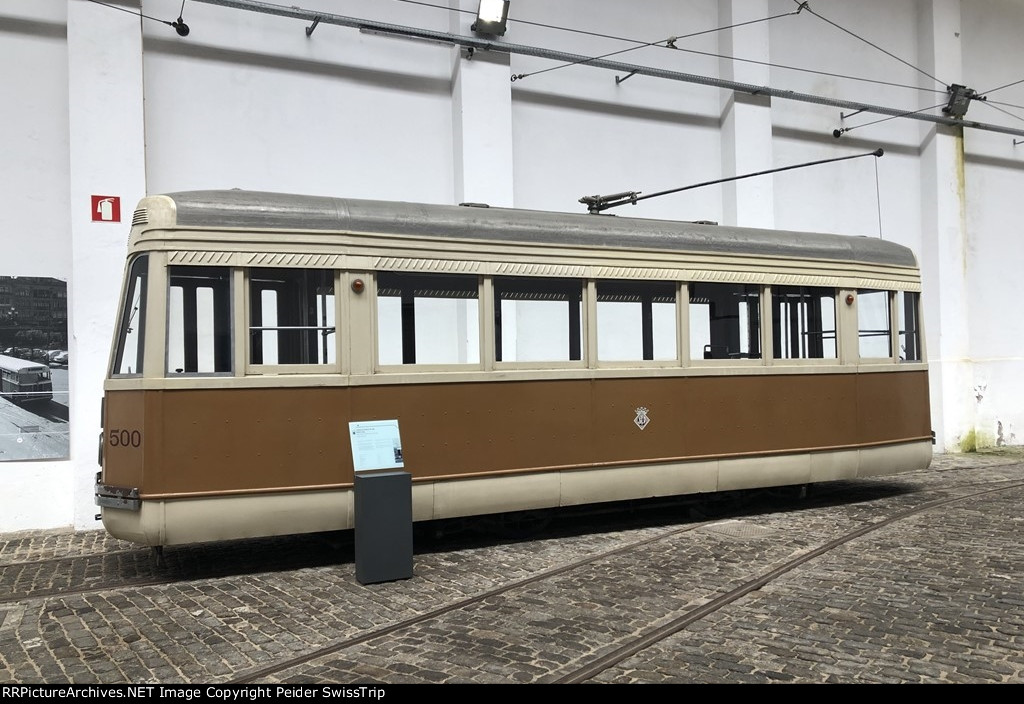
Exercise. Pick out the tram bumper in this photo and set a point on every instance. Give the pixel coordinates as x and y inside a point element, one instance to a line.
<point>109,496</point>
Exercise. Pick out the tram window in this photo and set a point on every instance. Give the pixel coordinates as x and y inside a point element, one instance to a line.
<point>873,323</point>
<point>538,320</point>
<point>198,320</point>
<point>291,316</point>
<point>725,321</point>
<point>910,340</point>
<point>636,320</point>
<point>428,319</point>
<point>803,322</point>
<point>130,338</point>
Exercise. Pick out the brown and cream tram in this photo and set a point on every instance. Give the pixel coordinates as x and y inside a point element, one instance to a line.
<point>530,359</point>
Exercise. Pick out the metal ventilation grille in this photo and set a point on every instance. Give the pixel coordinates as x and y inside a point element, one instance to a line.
<point>739,529</point>
<point>140,217</point>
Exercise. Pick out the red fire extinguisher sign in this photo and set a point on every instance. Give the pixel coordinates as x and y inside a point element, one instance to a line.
<point>106,209</point>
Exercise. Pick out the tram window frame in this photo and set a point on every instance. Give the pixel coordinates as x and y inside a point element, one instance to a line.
<point>865,350</point>
<point>909,348</point>
<point>298,295</point>
<point>216,339</point>
<point>804,325</point>
<point>131,336</point>
<point>402,298</point>
<point>528,289</point>
<point>716,349</point>
<point>653,308</point>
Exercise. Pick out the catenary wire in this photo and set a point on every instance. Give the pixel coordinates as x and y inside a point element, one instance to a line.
<point>133,12</point>
<point>1005,105</point>
<point>640,45</point>
<point>669,42</point>
<point>993,90</point>
<point>1005,112</point>
<point>579,59</point>
<point>891,117</point>
<point>806,6</point>
<point>809,70</point>
<point>690,51</point>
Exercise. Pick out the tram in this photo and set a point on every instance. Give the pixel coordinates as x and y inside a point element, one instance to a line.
<point>527,359</point>
<point>23,381</point>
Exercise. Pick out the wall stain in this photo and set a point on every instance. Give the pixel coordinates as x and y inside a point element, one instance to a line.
<point>961,194</point>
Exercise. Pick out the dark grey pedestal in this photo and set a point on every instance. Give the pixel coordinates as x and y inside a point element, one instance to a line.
<point>383,526</point>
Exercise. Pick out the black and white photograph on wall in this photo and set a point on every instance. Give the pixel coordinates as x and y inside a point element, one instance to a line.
<point>34,361</point>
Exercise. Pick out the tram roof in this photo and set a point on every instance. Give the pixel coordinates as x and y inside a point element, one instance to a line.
<point>253,209</point>
<point>16,364</point>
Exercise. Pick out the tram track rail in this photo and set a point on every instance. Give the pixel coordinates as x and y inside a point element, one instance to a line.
<point>588,670</point>
<point>185,570</point>
<point>863,507</point>
<point>626,650</point>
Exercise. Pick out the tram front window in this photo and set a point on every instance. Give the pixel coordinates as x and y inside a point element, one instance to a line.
<point>128,358</point>
<point>198,320</point>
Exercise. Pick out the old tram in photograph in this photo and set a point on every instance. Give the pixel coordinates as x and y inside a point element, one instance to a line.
<point>531,359</point>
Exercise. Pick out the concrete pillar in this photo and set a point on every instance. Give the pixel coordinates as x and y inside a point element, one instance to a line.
<point>746,119</point>
<point>107,157</point>
<point>481,120</point>
<point>944,248</point>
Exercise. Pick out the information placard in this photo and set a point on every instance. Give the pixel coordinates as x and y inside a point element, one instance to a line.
<point>376,444</point>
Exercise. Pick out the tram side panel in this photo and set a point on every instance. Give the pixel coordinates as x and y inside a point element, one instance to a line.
<point>494,439</point>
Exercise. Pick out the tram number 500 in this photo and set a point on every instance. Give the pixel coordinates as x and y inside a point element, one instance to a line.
<point>125,438</point>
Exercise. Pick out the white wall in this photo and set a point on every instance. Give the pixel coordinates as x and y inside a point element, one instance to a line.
<point>35,237</point>
<point>34,141</point>
<point>994,182</point>
<point>860,196</point>
<point>577,132</point>
<point>249,101</point>
<point>100,102</point>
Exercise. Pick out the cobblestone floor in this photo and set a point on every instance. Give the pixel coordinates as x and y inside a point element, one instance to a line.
<point>932,597</point>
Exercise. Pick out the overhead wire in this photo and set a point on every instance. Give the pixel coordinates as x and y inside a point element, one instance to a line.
<point>1006,105</point>
<point>575,30</point>
<point>1005,112</point>
<point>993,90</point>
<point>811,71</point>
<point>801,5</point>
<point>132,12</point>
<point>438,7</point>
<point>179,25</point>
<point>844,130</point>
<point>182,29</point>
<point>669,43</point>
<point>641,45</point>
<point>806,6</point>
